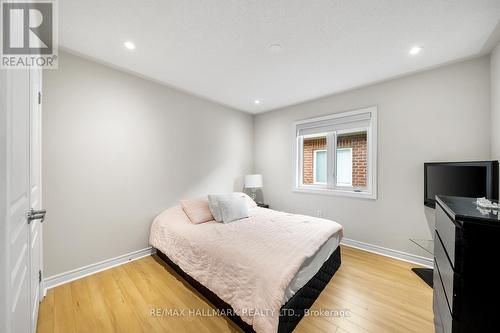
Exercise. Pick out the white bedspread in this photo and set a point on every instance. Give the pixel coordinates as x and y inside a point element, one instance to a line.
<point>248,263</point>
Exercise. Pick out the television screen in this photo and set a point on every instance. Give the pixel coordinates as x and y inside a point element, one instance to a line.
<point>468,179</point>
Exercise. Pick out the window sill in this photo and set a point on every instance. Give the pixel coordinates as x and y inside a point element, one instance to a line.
<point>344,193</point>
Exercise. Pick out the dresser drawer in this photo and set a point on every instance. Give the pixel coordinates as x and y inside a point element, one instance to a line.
<point>442,311</point>
<point>445,270</point>
<point>447,231</point>
<point>438,322</point>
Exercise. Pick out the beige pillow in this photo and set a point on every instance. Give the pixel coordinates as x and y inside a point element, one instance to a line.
<point>197,210</point>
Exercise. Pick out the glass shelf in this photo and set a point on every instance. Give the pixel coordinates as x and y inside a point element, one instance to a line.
<point>426,244</point>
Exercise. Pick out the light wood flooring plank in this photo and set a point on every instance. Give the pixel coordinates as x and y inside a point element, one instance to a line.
<point>379,294</point>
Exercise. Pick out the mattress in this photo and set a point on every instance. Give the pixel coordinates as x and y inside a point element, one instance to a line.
<point>311,266</point>
<point>255,264</point>
<point>291,312</point>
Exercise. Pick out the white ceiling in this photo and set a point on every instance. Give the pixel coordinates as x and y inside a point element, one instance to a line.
<point>220,49</point>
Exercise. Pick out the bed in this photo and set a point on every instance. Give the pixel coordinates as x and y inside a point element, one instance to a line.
<point>263,271</point>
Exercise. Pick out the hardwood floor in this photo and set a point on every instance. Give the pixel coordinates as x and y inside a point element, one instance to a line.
<point>378,294</point>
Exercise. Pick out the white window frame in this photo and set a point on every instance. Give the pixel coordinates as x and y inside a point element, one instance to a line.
<point>314,166</point>
<point>370,192</point>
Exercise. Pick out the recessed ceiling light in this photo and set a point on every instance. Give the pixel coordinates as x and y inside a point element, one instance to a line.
<point>275,48</point>
<point>257,102</point>
<point>415,50</point>
<point>129,45</point>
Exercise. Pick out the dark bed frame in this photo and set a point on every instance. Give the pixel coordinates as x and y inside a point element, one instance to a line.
<point>291,312</point>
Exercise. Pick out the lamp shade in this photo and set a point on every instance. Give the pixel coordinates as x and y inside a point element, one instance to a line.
<point>253,181</point>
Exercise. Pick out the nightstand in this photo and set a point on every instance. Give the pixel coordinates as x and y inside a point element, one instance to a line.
<point>262,205</point>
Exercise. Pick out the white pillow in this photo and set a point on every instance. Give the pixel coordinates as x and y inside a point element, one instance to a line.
<point>251,203</point>
<point>214,205</point>
<point>233,208</point>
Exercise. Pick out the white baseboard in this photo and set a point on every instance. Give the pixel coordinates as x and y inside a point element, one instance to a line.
<point>414,259</point>
<point>57,280</point>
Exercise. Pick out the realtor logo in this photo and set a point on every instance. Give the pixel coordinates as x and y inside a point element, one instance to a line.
<point>29,34</point>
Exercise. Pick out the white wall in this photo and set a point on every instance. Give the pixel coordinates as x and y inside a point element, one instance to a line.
<point>495,103</point>
<point>438,115</point>
<point>118,149</point>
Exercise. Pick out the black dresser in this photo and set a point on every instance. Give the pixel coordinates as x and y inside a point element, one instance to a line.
<point>466,279</point>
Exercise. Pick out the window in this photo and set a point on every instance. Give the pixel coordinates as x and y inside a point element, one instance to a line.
<point>319,166</point>
<point>344,166</point>
<point>314,161</point>
<point>336,154</point>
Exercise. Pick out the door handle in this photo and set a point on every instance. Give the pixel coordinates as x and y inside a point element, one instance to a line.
<point>36,215</point>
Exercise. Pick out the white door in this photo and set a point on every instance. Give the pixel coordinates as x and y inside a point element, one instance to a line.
<point>18,196</point>
<point>22,248</point>
<point>35,226</point>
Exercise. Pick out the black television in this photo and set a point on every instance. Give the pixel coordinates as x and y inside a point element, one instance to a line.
<point>461,179</point>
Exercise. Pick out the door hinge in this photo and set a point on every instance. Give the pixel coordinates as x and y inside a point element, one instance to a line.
<point>39,276</point>
<point>39,98</point>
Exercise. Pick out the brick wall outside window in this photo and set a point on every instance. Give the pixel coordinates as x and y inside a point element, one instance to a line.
<point>310,145</point>
<point>359,156</point>
<point>357,142</point>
